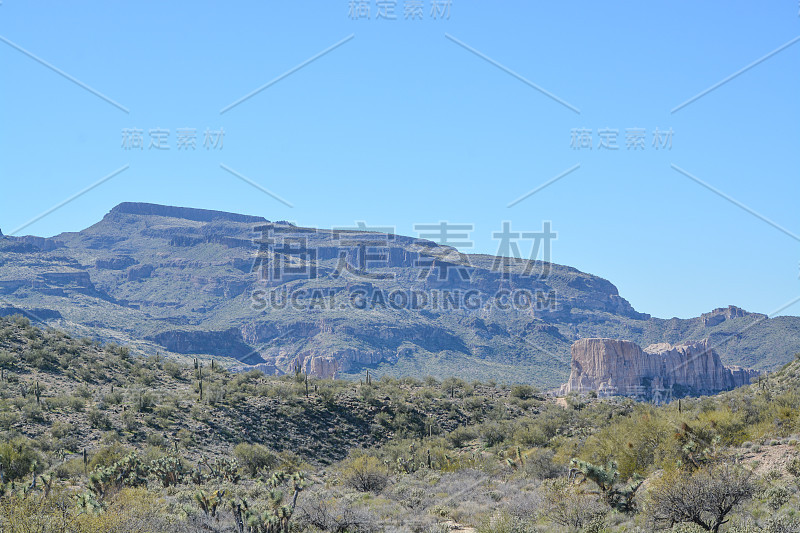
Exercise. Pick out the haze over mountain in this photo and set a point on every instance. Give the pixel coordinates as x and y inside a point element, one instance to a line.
<point>214,284</point>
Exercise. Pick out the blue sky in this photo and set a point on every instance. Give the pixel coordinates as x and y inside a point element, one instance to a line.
<point>401,125</point>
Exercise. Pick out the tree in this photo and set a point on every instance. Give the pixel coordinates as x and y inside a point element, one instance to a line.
<point>705,497</point>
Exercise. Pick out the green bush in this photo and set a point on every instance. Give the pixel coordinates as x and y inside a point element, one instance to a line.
<point>254,457</point>
<point>777,496</point>
<point>365,474</point>
<point>77,403</point>
<point>493,433</point>
<point>7,359</point>
<point>461,436</point>
<point>523,392</point>
<point>794,467</point>
<point>17,457</point>
<point>98,419</point>
<point>172,369</point>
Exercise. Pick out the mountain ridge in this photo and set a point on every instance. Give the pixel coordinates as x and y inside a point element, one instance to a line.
<point>186,281</point>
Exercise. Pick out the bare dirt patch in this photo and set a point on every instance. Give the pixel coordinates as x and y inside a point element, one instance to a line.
<point>769,458</point>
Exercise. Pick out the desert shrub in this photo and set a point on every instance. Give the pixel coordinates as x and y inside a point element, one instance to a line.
<point>781,524</point>
<point>146,377</point>
<point>705,497</point>
<point>523,392</point>
<point>777,496</point>
<point>562,504</point>
<point>54,403</point>
<point>165,411</point>
<point>77,404</point>
<point>33,412</point>
<point>69,469</point>
<point>129,511</point>
<point>493,433</point>
<point>17,457</point>
<point>185,437</point>
<point>635,443</point>
<point>794,467</point>
<point>365,474</point>
<point>142,400</point>
<point>113,398</point>
<point>156,440</point>
<point>503,522</point>
<point>531,435</point>
<point>172,369</point>
<point>7,359</point>
<point>41,359</point>
<point>84,392</point>
<point>538,464</point>
<point>98,419</point>
<point>254,457</point>
<point>461,436</point>
<point>107,456</point>
<point>215,394</point>
<point>8,419</point>
<point>132,510</point>
<point>130,421</point>
<point>60,429</point>
<point>693,528</point>
<point>328,395</point>
<point>334,513</point>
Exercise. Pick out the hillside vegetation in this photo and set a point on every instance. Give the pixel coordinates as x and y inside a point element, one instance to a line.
<point>93,438</point>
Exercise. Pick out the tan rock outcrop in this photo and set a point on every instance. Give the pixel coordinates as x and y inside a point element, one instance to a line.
<point>660,371</point>
<point>721,314</point>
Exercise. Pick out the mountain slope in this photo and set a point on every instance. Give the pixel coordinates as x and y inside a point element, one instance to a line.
<point>209,283</point>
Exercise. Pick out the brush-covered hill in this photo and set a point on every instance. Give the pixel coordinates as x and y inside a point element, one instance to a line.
<point>69,394</point>
<point>171,447</point>
<point>236,287</point>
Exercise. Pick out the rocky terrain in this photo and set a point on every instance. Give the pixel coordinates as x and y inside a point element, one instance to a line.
<point>200,283</point>
<point>659,373</point>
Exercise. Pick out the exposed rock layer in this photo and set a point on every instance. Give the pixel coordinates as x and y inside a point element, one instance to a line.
<point>618,367</point>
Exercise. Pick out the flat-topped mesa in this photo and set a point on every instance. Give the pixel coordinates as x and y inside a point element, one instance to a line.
<point>659,372</point>
<point>187,213</point>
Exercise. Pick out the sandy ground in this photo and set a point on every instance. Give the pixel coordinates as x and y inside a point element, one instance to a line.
<point>454,526</point>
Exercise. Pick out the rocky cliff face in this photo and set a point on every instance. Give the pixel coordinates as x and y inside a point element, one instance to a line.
<point>659,372</point>
<point>721,314</point>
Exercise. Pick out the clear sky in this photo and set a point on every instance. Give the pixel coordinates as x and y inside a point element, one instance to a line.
<point>426,119</point>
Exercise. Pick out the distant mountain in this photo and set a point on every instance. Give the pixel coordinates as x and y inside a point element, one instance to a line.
<point>207,283</point>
